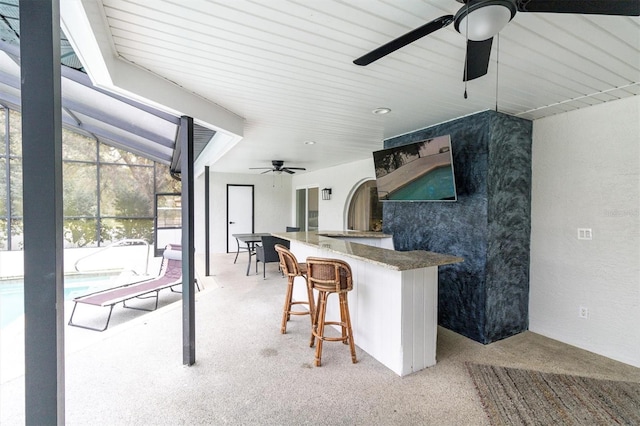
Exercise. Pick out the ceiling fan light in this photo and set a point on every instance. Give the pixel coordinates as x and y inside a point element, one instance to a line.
<point>485,19</point>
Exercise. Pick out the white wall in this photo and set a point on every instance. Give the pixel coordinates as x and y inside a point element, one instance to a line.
<point>272,205</point>
<point>586,174</point>
<point>343,181</point>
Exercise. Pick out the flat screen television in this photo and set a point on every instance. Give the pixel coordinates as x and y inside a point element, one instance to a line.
<point>419,171</point>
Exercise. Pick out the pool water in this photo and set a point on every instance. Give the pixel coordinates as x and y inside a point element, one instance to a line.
<point>12,294</point>
<point>435,185</point>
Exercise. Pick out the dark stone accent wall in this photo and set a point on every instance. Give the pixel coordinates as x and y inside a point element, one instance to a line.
<point>486,297</point>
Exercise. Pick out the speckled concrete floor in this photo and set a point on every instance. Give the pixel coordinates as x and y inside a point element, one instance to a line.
<point>248,373</point>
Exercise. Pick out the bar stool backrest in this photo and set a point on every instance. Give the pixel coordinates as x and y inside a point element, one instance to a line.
<point>332,275</point>
<point>288,262</point>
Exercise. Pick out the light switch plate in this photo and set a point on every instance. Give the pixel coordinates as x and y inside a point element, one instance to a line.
<point>585,234</point>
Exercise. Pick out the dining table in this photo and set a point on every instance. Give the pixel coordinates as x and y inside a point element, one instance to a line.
<point>250,240</point>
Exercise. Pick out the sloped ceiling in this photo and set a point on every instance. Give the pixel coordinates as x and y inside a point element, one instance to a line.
<point>112,119</point>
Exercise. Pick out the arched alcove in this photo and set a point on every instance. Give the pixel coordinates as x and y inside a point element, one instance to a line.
<point>365,210</point>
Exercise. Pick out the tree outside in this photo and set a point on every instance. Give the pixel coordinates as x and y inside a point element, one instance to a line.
<point>108,193</point>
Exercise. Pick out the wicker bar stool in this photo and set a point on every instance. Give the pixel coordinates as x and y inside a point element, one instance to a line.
<point>330,276</point>
<point>292,269</point>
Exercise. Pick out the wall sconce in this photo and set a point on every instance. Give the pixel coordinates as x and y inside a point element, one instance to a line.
<point>326,194</point>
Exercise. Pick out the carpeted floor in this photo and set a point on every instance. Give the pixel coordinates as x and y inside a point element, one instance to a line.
<point>514,396</point>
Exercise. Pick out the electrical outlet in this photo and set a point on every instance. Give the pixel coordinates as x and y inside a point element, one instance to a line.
<point>585,234</point>
<point>583,312</point>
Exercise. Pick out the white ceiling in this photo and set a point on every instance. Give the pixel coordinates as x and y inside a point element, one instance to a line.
<point>285,66</point>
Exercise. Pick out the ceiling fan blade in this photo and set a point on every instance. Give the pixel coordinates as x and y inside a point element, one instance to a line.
<point>295,168</point>
<point>595,7</point>
<point>288,171</point>
<point>267,171</point>
<point>477,60</point>
<point>403,40</point>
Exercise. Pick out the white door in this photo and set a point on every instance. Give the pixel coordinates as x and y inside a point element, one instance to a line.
<point>239,213</point>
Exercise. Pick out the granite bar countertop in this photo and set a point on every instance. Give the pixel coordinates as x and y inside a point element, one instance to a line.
<point>391,259</point>
<point>353,234</point>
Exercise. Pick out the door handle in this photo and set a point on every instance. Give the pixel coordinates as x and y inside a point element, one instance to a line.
<point>231,223</point>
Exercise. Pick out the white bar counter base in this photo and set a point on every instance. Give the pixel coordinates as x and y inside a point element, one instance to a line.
<point>394,301</point>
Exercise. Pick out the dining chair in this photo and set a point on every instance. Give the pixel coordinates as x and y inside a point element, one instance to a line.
<point>266,253</point>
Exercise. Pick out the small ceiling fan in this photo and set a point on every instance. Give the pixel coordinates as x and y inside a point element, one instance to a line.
<point>278,168</point>
<point>480,20</point>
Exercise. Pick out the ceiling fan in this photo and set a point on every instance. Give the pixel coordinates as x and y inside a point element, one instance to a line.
<point>480,20</point>
<point>278,168</point>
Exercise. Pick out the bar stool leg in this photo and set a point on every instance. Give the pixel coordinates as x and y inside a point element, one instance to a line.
<point>322,297</point>
<point>343,321</point>
<point>314,321</point>
<point>287,305</point>
<point>346,328</point>
<point>312,308</point>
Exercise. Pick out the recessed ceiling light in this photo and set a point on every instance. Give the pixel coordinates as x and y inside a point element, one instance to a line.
<point>309,142</point>
<point>381,111</point>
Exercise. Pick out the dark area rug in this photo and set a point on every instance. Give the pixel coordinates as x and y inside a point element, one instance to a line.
<point>523,397</point>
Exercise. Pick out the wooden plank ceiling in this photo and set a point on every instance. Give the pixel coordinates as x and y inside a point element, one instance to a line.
<point>286,67</point>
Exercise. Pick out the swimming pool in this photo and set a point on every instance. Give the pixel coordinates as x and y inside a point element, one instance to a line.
<point>435,185</point>
<point>12,293</point>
